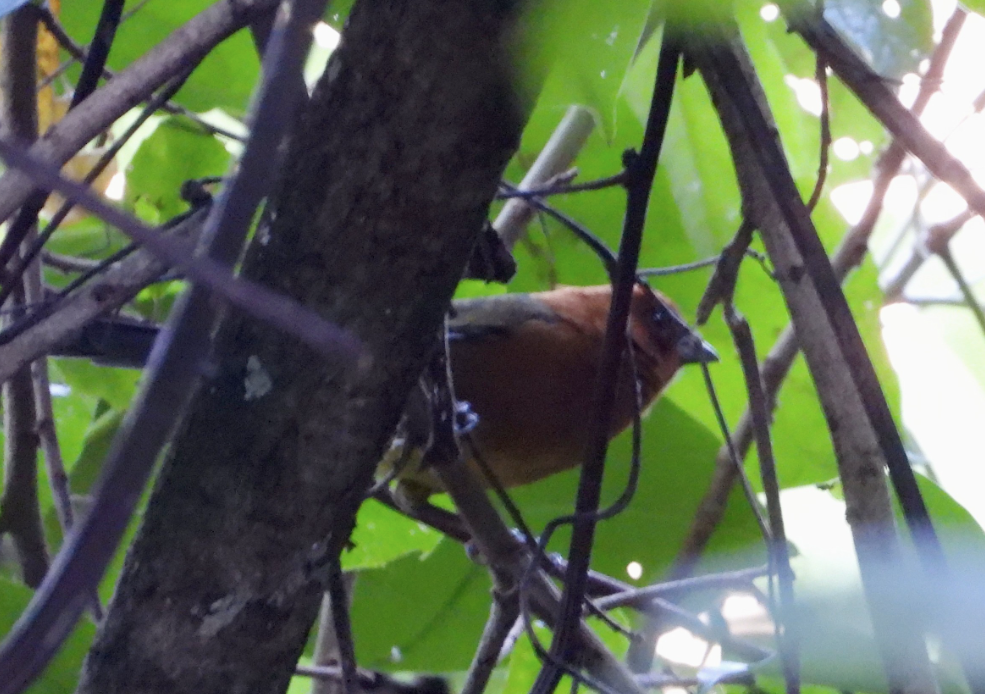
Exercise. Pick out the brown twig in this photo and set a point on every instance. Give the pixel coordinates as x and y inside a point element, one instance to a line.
<point>777,363</point>
<point>877,97</point>
<point>640,171</point>
<point>862,428</point>
<point>787,635</point>
<point>639,597</point>
<point>562,185</point>
<point>971,301</point>
<point>78,54</point>
<point>721,286</point>
<point>250,297</point>
<point>100,295</point>
<point>934,239</point>
<point>556,157</point>
<point>503,613</point>
<point>40,239</point>
<point>821,75</point>
<point>185,46</point>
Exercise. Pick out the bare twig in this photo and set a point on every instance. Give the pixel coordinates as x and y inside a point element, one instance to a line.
<point>278,310</point>
<point>327,648</point>
<point>936,238</point>
<point>821,75</point>
<point>51,615</point>
<point>338,596</point>
<point>105,158</point>
<point>102,41</point>
<point>561,185</point>
<point>873,92</point>
<point>863,431</point>
<point>787,635</point>
<point>78,54</point>
<point>777,363</point>
<point>640,170</point>
<point>503,613</point>
<point>721,286</point>
<point>638,597</point>
<point>556,157</point>
<point>99,295</point>
<point>184,47</point>
<point>598,246</point>
<point>67,263</point>
<point>971,301</point>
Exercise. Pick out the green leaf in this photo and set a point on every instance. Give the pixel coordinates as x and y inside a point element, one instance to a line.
<point>677,460</point>
<point>383,535</point>
<point>115,386</point>
<point>175,153</point>
<point>587,47</point>
<point>892,45</point>
<point>421,614</point>
<point>61,676</point>
<point>977,6</point>
<point>224,79</point>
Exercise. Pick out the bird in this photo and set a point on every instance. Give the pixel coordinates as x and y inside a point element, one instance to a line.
<point>526,364</point>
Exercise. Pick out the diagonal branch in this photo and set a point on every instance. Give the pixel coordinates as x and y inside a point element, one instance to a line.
<point>780,358</point>
<point>862,428</point>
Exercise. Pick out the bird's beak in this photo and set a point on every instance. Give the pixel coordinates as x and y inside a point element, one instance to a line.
<point>693,350</point>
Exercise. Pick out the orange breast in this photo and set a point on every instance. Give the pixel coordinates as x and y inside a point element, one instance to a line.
<point>532,392</point>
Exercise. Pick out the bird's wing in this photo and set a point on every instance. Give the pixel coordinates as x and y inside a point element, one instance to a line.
<point>475,319</point>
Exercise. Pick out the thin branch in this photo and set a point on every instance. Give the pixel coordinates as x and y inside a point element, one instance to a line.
<point>598,246</point>
<point>777,363</point>
<point>877,97</point>
<point>105,158</point>
<point>821,76</point>
<point>503,613</point>
<point>102,42</point>
<point>78,54</point>
<point>52,613</point>
<point>67,263</point>
<point>338,596</point>
<point>564,186</point>
<point>862,428</point>
<point>788,635</point>
<point>971,301</point>
<point>184,47</point>
<point>721,286</point>
<point>638,597</point>
<point>735,460</point>
<point>556,157</point>
<point>936,238</point>
<point>640,170</point>
<point>327,648</point>
<point>252,298</point>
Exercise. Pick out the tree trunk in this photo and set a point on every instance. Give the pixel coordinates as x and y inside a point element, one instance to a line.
<point>386,186</point>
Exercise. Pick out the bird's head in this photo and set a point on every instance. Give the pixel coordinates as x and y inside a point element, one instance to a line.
<point>659,332</point>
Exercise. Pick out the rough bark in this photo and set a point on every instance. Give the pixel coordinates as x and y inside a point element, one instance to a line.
<point>387,185</point>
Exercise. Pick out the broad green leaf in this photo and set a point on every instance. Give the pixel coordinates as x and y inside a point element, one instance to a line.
<point>421,614</point>
<point>383,535</point>
<point>587,47</point>
<point>90,238</point>
<point>115,386</point>
<point>61,676</point>
<point>893,45</point>
<point>224,79</point>
<point>975,5</point>
<point>677,459</point>
<point>175,153</point>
